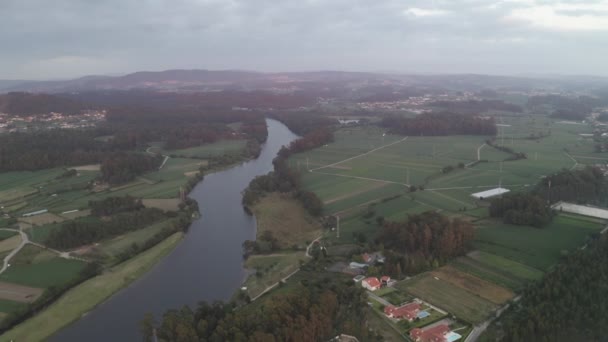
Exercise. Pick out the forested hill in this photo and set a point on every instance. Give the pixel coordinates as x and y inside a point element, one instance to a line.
<point>569,304</point>
<point>24,104</point>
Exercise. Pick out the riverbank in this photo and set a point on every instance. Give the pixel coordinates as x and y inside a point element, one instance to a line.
<point>86,296</point>
<point>293,228</point>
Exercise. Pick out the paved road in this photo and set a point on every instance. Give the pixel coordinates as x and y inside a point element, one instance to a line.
<point>378,298</point>
<point>480,328</point>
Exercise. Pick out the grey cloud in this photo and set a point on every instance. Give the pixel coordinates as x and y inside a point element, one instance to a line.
<point>66,38</point>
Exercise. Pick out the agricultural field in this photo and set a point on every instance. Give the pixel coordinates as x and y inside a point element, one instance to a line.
<point>224,147</point>
<point>534,247</point>
<point>462,303</point>
<point>286,219</point>
<point>113,247</point>
<point>36,267</point>
<point>270,269</point>
<point>496,269</point>
<point>84,297</point>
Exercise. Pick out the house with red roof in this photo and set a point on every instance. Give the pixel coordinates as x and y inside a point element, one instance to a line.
<point>371,283</point>
<point>438,333</point>
<point>407,311</point>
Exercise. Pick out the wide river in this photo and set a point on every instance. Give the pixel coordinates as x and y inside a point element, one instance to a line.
<point>206,266</point>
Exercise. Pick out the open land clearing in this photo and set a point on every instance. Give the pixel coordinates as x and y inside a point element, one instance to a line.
<point>84,297</point>
<point>219,148</point>
<point>286,219</point>
<point>464,304</point>
<point>19,293</point>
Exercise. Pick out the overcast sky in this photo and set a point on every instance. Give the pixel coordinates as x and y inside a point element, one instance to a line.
<point>42,39</point>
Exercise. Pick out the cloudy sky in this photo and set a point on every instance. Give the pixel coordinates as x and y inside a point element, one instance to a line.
<point>42,39</point>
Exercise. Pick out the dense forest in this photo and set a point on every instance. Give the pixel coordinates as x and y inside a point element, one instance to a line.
<point>579,186</point>
<point>443,123</point>
<point>123,167</point>
<point>47,149</point>
<point>423,241</point>
<point>569,304</point>
<point>521,209</point>
<point>25,104</point>
<point>476,106</point>
<point>315,310</point>
<point>77,233</point>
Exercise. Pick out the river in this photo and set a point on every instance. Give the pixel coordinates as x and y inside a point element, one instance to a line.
<point>206,266</point>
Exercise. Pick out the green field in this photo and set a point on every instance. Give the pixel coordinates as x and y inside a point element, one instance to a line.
<point>463,304</point>
<point>270,270</point>
<point>36,267</point>
<point>499,270</point>
<point>537,248</point>
<point>210,150</point>
<point>8,306</point>
<point>84,297</point>
<point>117,245</point>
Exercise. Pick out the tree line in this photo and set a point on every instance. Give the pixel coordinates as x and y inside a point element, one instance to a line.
<point>114,205</point>
<point>476,106</point>
<point>569,304</point>
<point>81,232</point>
<point>521,209</point>
<point>122,167</point>
<point>440,123</point>
<point>423,241</point>
<point>314,310</point>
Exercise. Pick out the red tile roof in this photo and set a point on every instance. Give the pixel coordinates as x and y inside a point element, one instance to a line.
<point>372,281</point>
<point>434,334</point>
<point>407,311</point>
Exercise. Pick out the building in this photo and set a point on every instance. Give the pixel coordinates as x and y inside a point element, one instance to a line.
<point>407,311</point>
<point>490,193</point>
<point>371,283</point>
<point>438,333</point>
<point>384,280</point>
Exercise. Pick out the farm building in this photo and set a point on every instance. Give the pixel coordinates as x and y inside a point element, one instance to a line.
<point>407,311</point>
<point>34,213</point>
<point>581,209</point>
<point>490,193</point>
<point>371,283</point>
<point>438,333</point>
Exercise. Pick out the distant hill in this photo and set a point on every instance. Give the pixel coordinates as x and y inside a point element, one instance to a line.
<point>217,80</point>
<point>23,104</point>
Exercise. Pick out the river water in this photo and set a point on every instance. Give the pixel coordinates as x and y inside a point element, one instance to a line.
<point>207,265</point>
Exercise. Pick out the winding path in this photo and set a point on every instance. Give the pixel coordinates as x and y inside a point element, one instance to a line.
<point>24,240</point>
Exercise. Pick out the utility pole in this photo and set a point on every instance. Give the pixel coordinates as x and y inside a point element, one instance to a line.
<point>337,226</point>
<point>307,166</point>
<point>501,167</point>
<point>407,179</point>
<point>535,155</point>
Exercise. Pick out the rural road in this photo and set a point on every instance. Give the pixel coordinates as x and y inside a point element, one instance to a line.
<point>378,298</point>
<point>310,246</point>
<point>24,241</point>
<point>479,329</point>
<point>164,160</point>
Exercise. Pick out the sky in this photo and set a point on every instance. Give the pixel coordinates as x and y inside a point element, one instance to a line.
<point>42,39</point>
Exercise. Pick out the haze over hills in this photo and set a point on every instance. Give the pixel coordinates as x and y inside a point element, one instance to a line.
<point>212,80</point>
